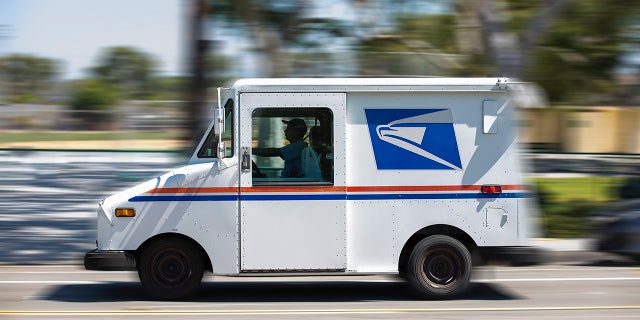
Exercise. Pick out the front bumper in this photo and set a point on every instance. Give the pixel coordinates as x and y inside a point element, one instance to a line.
<point>109,260</point>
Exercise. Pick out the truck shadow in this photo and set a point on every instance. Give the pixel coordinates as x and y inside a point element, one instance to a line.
<point>256,291</point>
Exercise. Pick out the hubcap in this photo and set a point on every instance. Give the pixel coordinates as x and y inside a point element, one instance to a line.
<point>440,267</point>
<point>171,268</point>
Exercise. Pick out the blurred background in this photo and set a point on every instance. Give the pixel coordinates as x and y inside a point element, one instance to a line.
<point>98,95</point>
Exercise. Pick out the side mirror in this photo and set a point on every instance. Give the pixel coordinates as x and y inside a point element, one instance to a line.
<point>221,150</point>
<point>218,128</point>
<point>218,121</point>
<point>218,117</point>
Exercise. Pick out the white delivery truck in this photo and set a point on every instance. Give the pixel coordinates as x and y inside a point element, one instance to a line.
<point>331,176</point>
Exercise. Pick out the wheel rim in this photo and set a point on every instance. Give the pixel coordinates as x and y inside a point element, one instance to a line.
<point>171,268</point>
<point>441,267</point>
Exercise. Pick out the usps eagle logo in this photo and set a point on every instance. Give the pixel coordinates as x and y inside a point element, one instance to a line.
<point>413,139</point>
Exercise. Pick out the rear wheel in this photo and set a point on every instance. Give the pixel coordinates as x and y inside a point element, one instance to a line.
<point>439,267</point>
<point>170,268</point>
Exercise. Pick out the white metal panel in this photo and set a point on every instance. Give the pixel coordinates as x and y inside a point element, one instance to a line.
<point>378,230</point>
<point>286,227</point>
<point>485,159</point>
<point>468,215</point>
<point>198,201</point>
<point>252,101</point>
<point>293,235</point>
<point>393,204</point>
<point>371,84</point>
<point>490,116</point>
<point>371,233</point>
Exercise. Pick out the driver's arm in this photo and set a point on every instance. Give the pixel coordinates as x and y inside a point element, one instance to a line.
<point>267,152</point>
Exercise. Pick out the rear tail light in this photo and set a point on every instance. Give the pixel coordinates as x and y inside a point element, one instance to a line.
<point>491,188</point>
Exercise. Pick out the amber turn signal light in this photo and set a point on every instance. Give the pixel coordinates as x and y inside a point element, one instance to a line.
<point>125,212</point>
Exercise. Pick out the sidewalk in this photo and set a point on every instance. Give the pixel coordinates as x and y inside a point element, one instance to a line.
<point>581,251</point>
<point>564,245</point>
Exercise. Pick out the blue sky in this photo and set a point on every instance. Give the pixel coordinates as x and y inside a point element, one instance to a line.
<point>75,31</point>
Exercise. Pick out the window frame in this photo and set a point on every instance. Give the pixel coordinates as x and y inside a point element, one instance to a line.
<point>322,117</point>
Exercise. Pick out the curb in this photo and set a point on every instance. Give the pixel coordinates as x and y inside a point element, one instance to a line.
<point>585,257</point>
<point>566,250</point>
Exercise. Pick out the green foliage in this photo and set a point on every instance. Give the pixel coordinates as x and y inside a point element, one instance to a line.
<point>132,73</point>
<point>93,95</point>
<point>576,60</point>
<point>91,102</point>
<point>281,25</point>
<point>416,47</point>
<point>435,31</point>
<point>567,204</point>
<point>168,88</point>
<point>128,69</point>
<point>23,98</point>
<point>25,77</point>
<point>277,13</point>
<point>568,219</point>
<point>573,53</point>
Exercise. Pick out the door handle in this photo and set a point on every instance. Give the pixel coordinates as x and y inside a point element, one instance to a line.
<point>246,160</point>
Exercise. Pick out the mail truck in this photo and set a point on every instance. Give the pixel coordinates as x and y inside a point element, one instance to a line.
<point>418,177</point>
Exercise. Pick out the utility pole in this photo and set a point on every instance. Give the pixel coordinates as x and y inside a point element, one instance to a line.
<point>196,90</point>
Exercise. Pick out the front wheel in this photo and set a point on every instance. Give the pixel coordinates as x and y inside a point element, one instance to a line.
<point>439,267</point>
<point>170,268</point>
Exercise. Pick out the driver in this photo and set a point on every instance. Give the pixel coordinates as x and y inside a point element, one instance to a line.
<point>291,153</point>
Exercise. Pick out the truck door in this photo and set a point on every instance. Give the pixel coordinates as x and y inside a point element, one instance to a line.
<point>292,208</point>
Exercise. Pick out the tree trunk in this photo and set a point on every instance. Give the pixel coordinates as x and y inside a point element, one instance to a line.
<point>509,52</point>
<point>196,85</point>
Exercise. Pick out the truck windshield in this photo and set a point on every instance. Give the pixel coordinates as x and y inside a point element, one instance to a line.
<point>208,149</point>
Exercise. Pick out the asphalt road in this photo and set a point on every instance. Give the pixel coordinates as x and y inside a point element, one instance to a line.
<point>590,291</point>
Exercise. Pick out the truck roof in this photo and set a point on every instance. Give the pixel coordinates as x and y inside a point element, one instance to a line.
<point>371,84</point>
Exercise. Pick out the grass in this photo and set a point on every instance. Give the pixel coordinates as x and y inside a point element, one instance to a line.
<point>566,204</point>
<point>595,189</point>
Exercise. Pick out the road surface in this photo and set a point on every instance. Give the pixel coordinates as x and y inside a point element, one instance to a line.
<point>49,200</point>
<point>590,291</point>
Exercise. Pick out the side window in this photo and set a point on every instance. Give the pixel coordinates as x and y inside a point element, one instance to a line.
<point>208,149</point>
<point>292,146</point>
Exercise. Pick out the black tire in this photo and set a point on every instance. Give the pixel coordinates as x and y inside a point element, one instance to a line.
<point>439,267</point>
<point>170,268</point>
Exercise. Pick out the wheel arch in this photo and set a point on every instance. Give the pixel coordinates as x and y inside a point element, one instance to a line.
<point>170,235</point>
<point>441,229</point>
